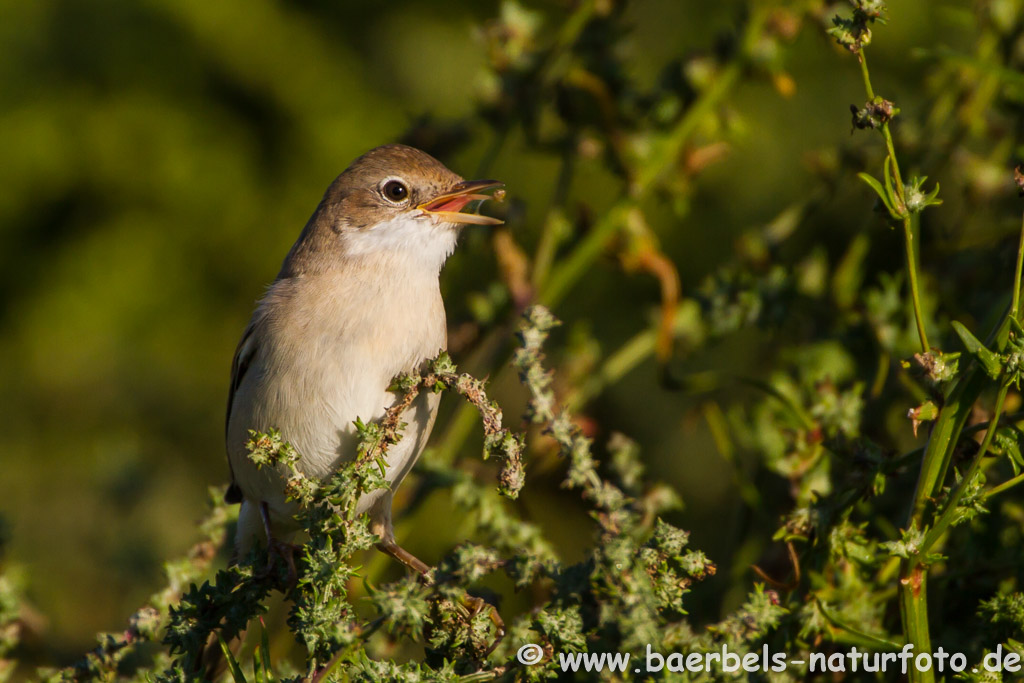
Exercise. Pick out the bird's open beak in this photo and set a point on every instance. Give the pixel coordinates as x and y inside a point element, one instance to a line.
<point>448,207</point>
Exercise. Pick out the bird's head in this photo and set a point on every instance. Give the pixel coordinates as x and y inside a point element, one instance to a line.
<point>395,202</point>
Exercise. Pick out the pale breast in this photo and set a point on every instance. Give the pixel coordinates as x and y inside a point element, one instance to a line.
<point>326,352</point>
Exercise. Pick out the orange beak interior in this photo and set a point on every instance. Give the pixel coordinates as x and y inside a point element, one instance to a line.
<point>449,206</point>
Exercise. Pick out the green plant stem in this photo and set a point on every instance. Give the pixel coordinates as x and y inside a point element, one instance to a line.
<point>638,348</point>
<point>891,149</point>
<point>914,613</point>
<point>478,677</point>
<point>909,237</point>
<point>915,455</point>
<point>564,276</point>
<point>914,578</point>
<point>949,427</point>
<point>556,225</point>
<point>1014,311</point>
<point>982,426</point>
<point>1008,484</point>
<point>865,75</point>
<point>910,231</point>
<point>719,427</point>
<point>937,456</point>
<point>946,518</point>
<point>709,99</point>
<point>886,644</point>
<point>1015,306</point>
<point>885,127</point>
<point>897,178</point>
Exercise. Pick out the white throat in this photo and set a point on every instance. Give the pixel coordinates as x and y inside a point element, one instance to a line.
<point>410,239</point>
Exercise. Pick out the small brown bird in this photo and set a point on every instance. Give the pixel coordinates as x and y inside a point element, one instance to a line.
<point>356,303</point>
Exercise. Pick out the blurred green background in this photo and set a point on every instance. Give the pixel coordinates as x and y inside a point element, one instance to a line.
<point>159,157</point>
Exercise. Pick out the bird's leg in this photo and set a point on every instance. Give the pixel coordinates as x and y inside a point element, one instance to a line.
<point>380,526</point>
<point>389,547</point>
<point>276,547</point>
<point>476,604</point>
<point>471,605</point>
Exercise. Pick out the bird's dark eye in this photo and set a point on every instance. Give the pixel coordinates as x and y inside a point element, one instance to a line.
<point>395,190</point>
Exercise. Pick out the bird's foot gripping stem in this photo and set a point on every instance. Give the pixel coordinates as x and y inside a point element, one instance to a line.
<point>469,606</point>
<point>475,605</point>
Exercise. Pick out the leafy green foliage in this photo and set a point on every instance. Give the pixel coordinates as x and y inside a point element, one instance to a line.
<point>798,347</point>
